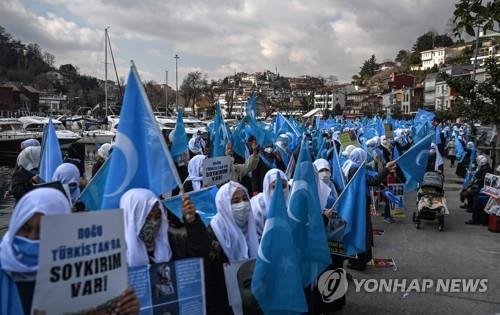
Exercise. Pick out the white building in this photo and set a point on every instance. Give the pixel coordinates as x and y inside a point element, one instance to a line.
<point>432,57</point>
<point>52,102</point>
<point>490,48</point>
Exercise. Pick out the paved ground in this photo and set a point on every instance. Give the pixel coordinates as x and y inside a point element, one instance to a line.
<point>461,251</point>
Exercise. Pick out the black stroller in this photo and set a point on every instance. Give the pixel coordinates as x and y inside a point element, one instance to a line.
<point>431,203</point>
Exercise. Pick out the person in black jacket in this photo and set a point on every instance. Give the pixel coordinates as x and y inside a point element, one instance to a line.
<point>357,157</point>
<point>475,200</point>
<point>148,235</point>
<point>268,159</point>
<point>234,239</point>
<point>25,174</point>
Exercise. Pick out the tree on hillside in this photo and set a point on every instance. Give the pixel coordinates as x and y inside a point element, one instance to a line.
<point>193,86</point>
<point>402,55</point>
<point>430,40</point>
<point>367,70</point>
<point>479,101</point>
<point>69,70</point>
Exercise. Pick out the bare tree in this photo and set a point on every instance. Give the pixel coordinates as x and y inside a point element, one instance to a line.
<point>193,85</point>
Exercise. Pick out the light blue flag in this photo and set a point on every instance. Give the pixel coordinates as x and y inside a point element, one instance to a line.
<point>422,131</point>
<point>203,199</point>
<point>423,116</point>
<point>51,153</point>
<point>459,149</point>
<point>219,134</point>
<point>380,127</point>
<point>283,126</point>
<point>179,141</point>
<point>438,135</point>
<point>277,281</point>
<point>251,105</point>
<point>92,196</point>
<point>337,174</point>
<point>239,139</point>
<point>413,162</point>
<point>351,206</point>
<point>140,157</point>
<point>307,223</point>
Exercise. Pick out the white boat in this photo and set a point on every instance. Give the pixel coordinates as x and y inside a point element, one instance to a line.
<point>36,124</point>
<point>12,134</point>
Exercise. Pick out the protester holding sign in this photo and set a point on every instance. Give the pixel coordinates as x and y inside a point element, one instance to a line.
<point>235,239</point>
<point>147,234</point>
<point>19,252</point>
<point>476,201</point>
<point>261,202</point>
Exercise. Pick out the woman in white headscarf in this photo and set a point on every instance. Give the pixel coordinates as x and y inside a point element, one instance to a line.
<point>435,161</point>
<point>148,235</point>
<point>235,239</point>
<point>19,252</point>
<point>29,143</point>
<point>196,145</point>
<point>328,192</point>
<point>26,173</point>
<point>356,158</point>
<point>68,174</point>
<point>260,203</point>
<point>194,180</point>
<point>344,156</point>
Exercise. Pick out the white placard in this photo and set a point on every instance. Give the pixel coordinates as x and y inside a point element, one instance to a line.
<point>82,265</point>
<point>216,171</point>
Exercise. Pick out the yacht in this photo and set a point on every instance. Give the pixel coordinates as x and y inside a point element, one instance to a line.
<point>12,134</point>
<point>37,124</point>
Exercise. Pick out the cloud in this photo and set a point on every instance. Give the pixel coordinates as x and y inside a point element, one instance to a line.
<point>222,36</point>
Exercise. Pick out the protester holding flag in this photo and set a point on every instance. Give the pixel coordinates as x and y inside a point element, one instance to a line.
<point>358,157</point>
<point>260,203</point>
<point>234,239</point>
<point>26,172</point>
<point>196,145</point>
<point>194,180</point>
<point>435,161</point>
<point>68,174</point>
<point>328,191</point>
<point>268,159</point>
<point>148,235</point>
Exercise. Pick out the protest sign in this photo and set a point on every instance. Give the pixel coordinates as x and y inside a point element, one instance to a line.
<point>176,287</point>
<point>216,171</point>
<point>388,131</point>
<point>397,192</point>
<point>348,138</point>
<point>492,185</point>
<point>335,234</point>
<point>82,267</point>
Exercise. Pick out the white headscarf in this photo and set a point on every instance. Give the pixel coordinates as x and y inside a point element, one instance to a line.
<point>439,158</point>
<point>46,201</point>
<point>103,151</point>
<point>194,167</point>
<point>481,160</point>
<point>347,151</point>
<point>357,157</point>
<point>29,158</point>
<point>29,143</point>
<point>324,189</point>
<point>196,148</point>
<point>137,204</point>
<point>68,173</point>
<point>236,245</point>
<point>261,202</point>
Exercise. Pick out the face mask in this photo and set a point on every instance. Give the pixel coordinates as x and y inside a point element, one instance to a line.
<point>325,176</point>
<point>432,151</point>
<point>241,211</point>
<point>26,250</point>
<point>148,233</point>
<point>268,150</point>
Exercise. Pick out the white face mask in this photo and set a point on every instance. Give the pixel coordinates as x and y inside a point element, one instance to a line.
<point>241,211</point>
<point>325,176</point>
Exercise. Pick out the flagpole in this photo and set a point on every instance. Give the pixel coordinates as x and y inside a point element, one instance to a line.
<point>176,57</point>
<point>166,93</point>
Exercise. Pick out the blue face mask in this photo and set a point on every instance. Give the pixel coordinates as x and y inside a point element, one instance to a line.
<point>26,250</point>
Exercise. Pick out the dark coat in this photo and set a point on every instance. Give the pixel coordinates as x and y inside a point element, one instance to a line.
<point>21,183</point>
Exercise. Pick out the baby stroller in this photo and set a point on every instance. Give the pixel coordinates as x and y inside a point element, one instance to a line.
<point>431,203</point>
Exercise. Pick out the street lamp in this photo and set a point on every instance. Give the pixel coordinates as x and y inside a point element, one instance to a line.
<point>176,57</point>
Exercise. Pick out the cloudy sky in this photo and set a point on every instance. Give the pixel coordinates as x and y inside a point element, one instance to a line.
<point>220,37</point>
